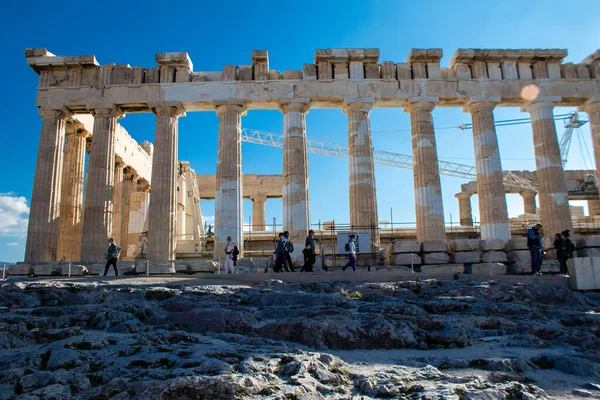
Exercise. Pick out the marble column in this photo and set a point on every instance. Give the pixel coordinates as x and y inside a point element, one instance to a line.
<point>259,220</point>
<point>42,228</point>
<point>552,189</point>
<point>130,182</point>
<point>493,212</point>
<point>464,208</point>
<point>529,202</point>
<point>118,202</point>
<point>228,205</point>
<point>71,198</point>
<point>163,193</point>
<point>592,107</point>
<point>181,205</point>
<point>138,218</point>
<point>98,201</point>
<point>296,202</point>
<point>428,192</point>
<point>363,197</point>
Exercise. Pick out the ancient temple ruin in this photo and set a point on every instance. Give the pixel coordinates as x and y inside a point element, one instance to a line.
<point>126,182</point>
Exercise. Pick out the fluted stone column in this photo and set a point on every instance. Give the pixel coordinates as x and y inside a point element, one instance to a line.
<point>428,192</point>
<point>42,228</point>
<point>138,217</point>
<point>118,202</point>
<point>181,206</point>
<point>552,189</point>
<point>259,221</point>
<point>71,199</point>
<point>228,205</point>
<point>592,107</point>
<point>464,208</point>
<point>130,179</point>
<point>296,202</point>
<point>363,196</point>
<point>98,201</point>
<point>163,194</point>
<point>493,212</point>
<point>529,202</point>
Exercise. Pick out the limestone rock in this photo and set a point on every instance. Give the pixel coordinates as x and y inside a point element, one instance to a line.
<point>464,245</point>
<point>484,269</point>
<point>432,246</point>
<point>494,257</point>
<point>435,258</point>
<point>492,245</point>
<point>406,246</point>
<point>519,255</point>
<point>407,259</point>
<point>589,252</point>
<point>44,270</point>
<point>520,268</point>
<point>466,257</point>
<point>550,266</point>
<point>581,274</point>
<point>517,244</point>
<point>20,269</point>
<point>194,266</point>
<point>588,241</point>
<point>443,269</point>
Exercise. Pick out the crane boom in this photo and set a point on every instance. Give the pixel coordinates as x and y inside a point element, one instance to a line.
<point>379,157</point>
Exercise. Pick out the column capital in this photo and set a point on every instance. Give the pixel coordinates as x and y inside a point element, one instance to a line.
<point>119,163</point>
<point>592,104</point>
<point>168,110</point>
<point>362,106</point>
<point>110,110</point>
<point>477,104</point>
<point>528,193</point>
<point>223,108</point>
<point>419,106</point>
<point>463,195</point>
<point>50,113</point>
<point>296,105</point>
<point>259,198</point>
<point>548,102</point>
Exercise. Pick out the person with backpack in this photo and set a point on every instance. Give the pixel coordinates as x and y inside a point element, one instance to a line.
<point>289,249</point>
<point>350,248</point>
<point>567,250</point>
<point>534,235</point>
<point>280,254</point>
<point>112,255</point>
<point>230,249</point>
<point>309,252</point>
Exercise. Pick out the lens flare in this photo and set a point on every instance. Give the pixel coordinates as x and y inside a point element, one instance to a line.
<point>530,92</point>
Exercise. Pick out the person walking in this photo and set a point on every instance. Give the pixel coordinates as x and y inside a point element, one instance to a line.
<point>112,255</point>
<point>229,254</point>
<point>534,235</point>
<point>280,254</point>
<point>567,250</point>
<point>289,249</point>
<point>351,250</point>
<point>309,252</point>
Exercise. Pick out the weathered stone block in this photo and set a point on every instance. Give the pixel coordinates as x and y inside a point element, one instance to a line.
<point>466,257</point>
<point>581,274</point>
<point>76,270</point>
<point>275,75</point>
<point>464,245</point>
<point>372,71</point>
<point>588,241</point>
<point>492,245</point>
<point>589,252</point>
<point>309,72</point>
<point>191,267</point>
<point>435,258</point>
<point>403,71</point>
<point>245,73</point>
<point>430,246</point>
<point>443,269</point>
<point>292,74</point>
<point>162,268</point>
<point>388,71</point>
<point>406,246</point>
<point>20,269</point>
<point>407,259</point>
<point>519,255</point>
<point>550,266</point>
<point>494,257</point>
<point>485,269</point>
<point>520,268</point>
<point>44,270</point>
<point>517,244</point>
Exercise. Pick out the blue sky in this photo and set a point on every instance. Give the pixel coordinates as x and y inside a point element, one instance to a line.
<point>219,33</point>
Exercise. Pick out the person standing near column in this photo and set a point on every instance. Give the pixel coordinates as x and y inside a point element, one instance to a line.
<point>289,249</point>
<point>112,255</point>
<point>229,249</point>
<point>351,249</point>
<point>309,252</point>
<point>533,242</point>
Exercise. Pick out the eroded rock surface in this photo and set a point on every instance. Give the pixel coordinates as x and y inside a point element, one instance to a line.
<point>412,339</point>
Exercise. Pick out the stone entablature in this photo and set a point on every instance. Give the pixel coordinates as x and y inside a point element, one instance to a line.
<point>337,75</point>
<point>254,186</point>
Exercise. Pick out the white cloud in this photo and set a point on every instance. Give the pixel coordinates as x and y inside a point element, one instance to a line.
<point>208,220</point>
<point>14,213</point>
<point>12,244</point>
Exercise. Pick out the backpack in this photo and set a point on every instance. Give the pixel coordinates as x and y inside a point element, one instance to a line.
<point>117,252</point>
<point>289,246</point>
<point>235,251</point>
<point>347,247</point>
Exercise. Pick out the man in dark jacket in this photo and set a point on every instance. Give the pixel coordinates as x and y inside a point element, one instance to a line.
<point>111,257</point>
<point>280,254</point>
<point>533,242</point>
<point>288,250</point>
<point>309,252</point>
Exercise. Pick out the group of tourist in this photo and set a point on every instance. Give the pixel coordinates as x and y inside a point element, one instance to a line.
<point>562,244</point>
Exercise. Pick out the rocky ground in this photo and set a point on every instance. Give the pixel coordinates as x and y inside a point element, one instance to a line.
<point>274,340</point>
